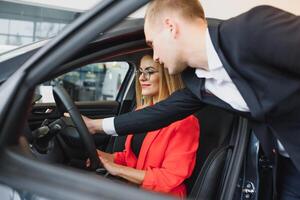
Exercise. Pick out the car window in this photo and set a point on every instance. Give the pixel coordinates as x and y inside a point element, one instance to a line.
<point>92,82</point>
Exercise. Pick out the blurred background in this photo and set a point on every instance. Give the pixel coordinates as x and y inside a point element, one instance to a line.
<point>26,21</point>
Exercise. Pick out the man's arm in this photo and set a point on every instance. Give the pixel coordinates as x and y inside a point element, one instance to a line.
<point>178,106</point>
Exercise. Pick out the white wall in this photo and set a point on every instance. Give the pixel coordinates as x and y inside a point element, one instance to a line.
<point>70,5</point>
<point>224,9</point>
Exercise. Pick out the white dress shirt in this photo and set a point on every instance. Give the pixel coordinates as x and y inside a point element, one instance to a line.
<point>217,82</point>
<point>109,126</point>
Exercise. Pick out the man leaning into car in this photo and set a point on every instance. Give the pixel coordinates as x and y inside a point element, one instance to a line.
<point>249,64</point>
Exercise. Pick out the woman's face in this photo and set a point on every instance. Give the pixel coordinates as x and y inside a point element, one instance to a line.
<point>149,78</point>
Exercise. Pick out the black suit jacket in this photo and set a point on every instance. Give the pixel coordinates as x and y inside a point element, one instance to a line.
<point>260,50</point>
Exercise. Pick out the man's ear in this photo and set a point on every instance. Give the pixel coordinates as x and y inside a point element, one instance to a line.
<point>171,26</point>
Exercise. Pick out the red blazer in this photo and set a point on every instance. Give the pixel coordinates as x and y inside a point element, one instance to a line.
<point>167,155</point>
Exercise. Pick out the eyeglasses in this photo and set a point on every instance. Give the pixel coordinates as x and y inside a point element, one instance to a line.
<point>146,73</point>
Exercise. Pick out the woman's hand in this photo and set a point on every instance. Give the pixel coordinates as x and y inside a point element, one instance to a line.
<point>94,125</point>
<point>107,156</point>
<point>111,167</point>
<point>133,175</point>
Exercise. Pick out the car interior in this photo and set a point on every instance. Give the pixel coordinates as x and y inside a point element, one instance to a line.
<point>52,139</point>
<point>63,144</point>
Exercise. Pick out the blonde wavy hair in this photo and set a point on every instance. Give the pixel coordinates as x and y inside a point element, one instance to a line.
<point>167,84</point>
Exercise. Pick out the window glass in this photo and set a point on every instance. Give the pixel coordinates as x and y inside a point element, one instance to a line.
<point>93,82</point>
<point>18,27</point>
<point>3,39</point>
<point>19,40</point>
<point>4,24</point>
<point>47,29</point>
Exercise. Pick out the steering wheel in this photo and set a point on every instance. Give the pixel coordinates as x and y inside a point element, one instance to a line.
<point>65,104</point>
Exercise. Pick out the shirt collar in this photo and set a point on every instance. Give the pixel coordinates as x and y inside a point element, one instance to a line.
<point>213,59</point>
<point>214,62</point>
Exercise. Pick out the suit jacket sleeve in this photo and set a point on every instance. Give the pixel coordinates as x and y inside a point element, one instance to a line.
<point>273,38</point>
<point>179,160</point>
<point>178,106</point>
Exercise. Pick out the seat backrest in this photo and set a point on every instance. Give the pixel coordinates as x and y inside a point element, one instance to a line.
<point>116,144</point>
<point>215,128</point>
<point>207,183</point>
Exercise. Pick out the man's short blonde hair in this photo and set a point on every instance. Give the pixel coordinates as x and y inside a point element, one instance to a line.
<point>188,9</point>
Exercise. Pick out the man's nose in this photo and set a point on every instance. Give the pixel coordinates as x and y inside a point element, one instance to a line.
<point>156,58</point>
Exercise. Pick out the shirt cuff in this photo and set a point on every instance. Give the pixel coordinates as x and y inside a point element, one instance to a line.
<point>109,126</point>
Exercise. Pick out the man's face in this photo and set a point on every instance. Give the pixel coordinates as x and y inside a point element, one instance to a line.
<point>166,48</point>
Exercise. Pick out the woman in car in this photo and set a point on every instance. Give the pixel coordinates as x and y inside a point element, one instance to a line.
<point>158,160</point>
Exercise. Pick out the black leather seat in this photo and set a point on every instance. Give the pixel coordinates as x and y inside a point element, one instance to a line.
<point>215,128</point>
<point>210,177</point>
<point>116,144</point>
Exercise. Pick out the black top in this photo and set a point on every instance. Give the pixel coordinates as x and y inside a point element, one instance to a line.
<point>136,143</point>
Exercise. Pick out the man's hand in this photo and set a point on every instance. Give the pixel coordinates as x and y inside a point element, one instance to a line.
<point>94,125</point>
